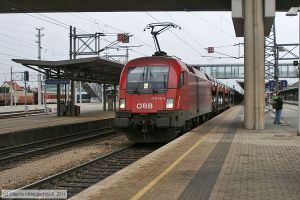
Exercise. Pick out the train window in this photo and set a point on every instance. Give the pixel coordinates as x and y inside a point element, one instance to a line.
<point>146,79</point>
<point>181,81</point>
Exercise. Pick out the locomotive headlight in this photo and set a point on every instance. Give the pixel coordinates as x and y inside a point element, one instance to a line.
<point>122,103</point>
<point>170,103</point>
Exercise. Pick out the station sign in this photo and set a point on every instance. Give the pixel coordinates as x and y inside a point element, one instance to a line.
<point>57,81</point>
<point>283,83</point>
<point>270,84</point>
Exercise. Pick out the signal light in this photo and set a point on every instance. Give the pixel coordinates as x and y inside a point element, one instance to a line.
<point>26,75</point>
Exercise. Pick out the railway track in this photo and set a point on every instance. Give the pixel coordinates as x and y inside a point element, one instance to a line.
<point>77,179</point>
<point>11,156</point>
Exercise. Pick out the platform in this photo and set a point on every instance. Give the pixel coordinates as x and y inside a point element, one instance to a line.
<point>217,160</point>
<point>22,130</point>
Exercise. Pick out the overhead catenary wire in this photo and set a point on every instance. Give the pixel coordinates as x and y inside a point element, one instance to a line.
<point>21,44</point>
<point>97,22</point>
<point>218,57</point>
<point>17,39</point>
<point>49,19</point>
<point>16,50</point>
<point>184,41</point>
<point>190,35</point>
<point>217,52</point>
<point>43,16</point>
<point>212,25</point>
<point>6,54</point>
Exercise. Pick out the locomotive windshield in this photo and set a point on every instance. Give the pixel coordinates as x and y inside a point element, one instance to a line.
<point>147,79</point>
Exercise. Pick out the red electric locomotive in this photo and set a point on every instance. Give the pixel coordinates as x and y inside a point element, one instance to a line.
<point>160,97</point>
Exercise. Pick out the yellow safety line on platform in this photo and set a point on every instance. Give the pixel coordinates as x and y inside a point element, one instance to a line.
<point>164,173</point>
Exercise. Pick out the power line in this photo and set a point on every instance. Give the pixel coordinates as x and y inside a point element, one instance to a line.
<point>9,36</point>
<point>228,56</point>
<point>212,25</point>
<point>57,24</point>
<point>138,52</point>
<point>7,64</point>
<point>14,50</point>
<point>29,47</point>
<point>223,19</point>
<point>188,33</point>
<point>49,19</point>
<point>4,68</point>
<point>6,54</point>
<point>96,21</point>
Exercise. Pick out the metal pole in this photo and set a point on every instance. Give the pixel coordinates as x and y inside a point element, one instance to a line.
<point>74,43</point>
<point>45,97</point>
<point>15,98</point>
<point>115,97</point>
<point>80,94</point>
<point>127,54</point>
<point>71,40</point>
<point>26,97</point>
<point>276,70</point>
<point>104,97</point>
<point>298,132</point>
<point>73,87</point>
<point>5,91</point>
<point>58,94</point>
<point>10,88</point>
<point>39,35</point>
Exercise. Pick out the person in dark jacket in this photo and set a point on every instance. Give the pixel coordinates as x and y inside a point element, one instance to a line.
<point>278,107</point>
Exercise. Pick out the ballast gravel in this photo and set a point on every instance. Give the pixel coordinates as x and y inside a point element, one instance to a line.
<point>26,173</point>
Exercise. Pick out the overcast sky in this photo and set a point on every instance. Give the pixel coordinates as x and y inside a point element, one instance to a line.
<point>199,31</point>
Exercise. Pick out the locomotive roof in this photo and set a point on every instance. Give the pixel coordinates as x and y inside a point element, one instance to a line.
<point>183,65</point>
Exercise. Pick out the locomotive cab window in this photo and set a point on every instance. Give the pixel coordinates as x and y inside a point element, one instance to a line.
<point>147,79</point>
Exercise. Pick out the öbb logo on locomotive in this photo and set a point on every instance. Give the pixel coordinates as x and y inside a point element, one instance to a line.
<point>144,106</point>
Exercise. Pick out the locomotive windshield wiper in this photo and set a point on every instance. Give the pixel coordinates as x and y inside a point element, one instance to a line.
<point>164,81</point>
<point>154,90</point>
<point>141,79</point>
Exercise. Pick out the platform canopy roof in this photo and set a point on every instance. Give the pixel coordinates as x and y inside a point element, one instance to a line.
<point>20,6</point>
<point>94,69</point>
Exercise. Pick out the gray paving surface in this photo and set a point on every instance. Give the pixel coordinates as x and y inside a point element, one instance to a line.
<point>226,162</point>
